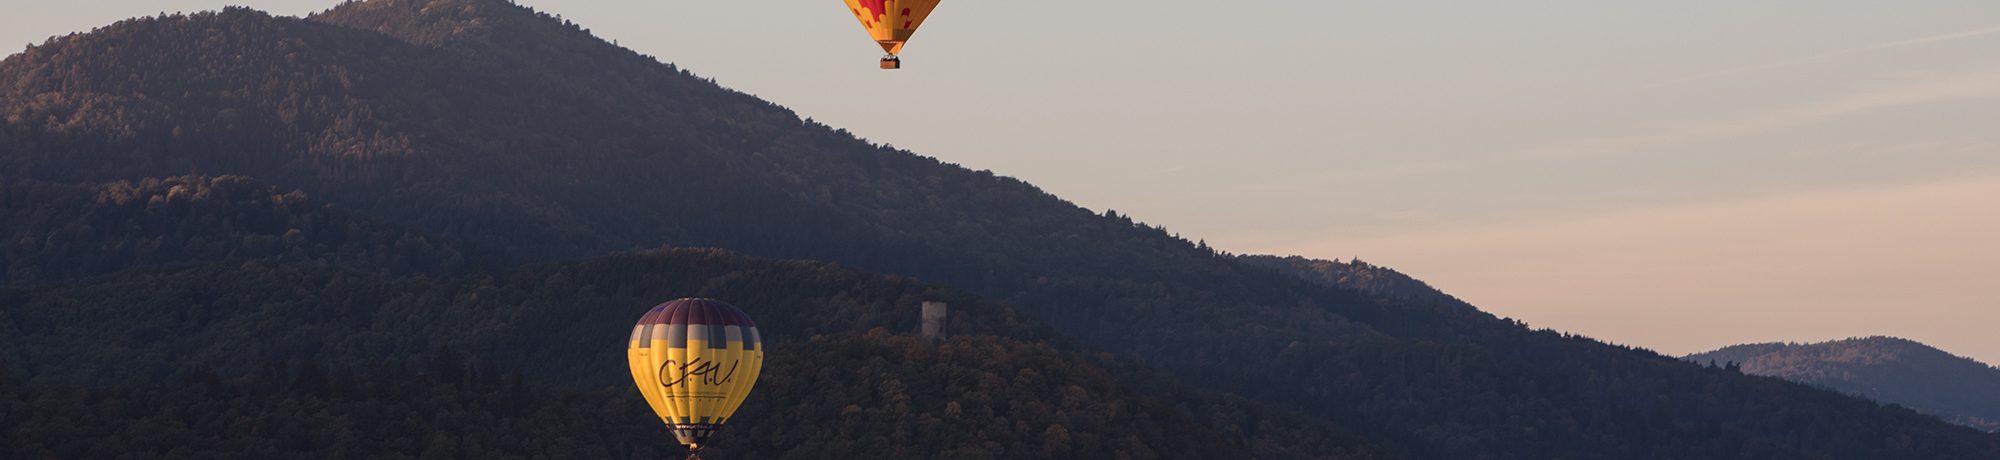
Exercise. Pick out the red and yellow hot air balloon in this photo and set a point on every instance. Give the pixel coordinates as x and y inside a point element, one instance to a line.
<point>891,22</point>
<point>695,361</point>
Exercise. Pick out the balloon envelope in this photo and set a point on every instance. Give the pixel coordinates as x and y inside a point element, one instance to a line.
<point>891,22</point>
<point>695,361</point>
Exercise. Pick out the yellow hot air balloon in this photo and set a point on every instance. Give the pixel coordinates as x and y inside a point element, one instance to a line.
<point>891,22</point>
<point>695,361</point>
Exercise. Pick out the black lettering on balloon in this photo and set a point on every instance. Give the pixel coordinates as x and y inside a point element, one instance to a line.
<point>674,373</point>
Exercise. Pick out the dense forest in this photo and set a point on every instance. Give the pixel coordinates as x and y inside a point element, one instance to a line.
<point>271,316</point>
<point>1356,275</point>
<point>1886,369</point>
<point>434,412</point>
<point>871,395</point>
<point>59,231</point>
<point>463,168</point>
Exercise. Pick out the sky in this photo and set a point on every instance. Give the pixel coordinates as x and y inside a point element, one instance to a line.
<point>1677,176</point>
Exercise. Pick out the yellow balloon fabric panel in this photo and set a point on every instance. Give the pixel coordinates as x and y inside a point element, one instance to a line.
<point>891,22</point>
<point>695,361</point>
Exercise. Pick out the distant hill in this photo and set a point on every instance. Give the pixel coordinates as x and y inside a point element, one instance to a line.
<point>1886,369</point>
<point>508,135</point>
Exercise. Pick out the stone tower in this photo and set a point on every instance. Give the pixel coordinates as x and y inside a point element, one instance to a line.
<point>934,313</point>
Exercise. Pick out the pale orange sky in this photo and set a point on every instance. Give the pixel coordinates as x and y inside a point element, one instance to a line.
<point>1913,260</point>
<point>1675,175</point>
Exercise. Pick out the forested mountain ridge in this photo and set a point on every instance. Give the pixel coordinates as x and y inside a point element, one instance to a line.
<point>444,116</point>
<point>870,395</point>
<point>1355,275</point>
<point>246,306</point>
<point>235,274</point>
<point>51,232</point>
<point>1887,369</point>
<point>844,396</point>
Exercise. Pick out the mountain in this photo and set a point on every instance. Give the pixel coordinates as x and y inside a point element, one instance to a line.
<point>968,397</point>
<point>61,231</point>
<point>893,397</point>
<point>540,148</point>
<point>1886,369</point>
<point>247,303</point>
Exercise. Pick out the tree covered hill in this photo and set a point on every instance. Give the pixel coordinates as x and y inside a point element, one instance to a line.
<point>1358,276</point>
<point>872,395</point>
<point>1886,369</point>
<point>834,391</point>
<point>520,134</point>
<point>294,282</point>
<point>276,323</point>
<point>51,232</point>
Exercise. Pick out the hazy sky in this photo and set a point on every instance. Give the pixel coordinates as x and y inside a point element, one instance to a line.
<point>1677,175</point>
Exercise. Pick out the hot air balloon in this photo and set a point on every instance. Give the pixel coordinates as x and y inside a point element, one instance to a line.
<point>891,22</point>
<point>695,361</point>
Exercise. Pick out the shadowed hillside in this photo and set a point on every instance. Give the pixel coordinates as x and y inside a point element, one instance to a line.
<point>270,317</point>
<point>58,231</point>
<point>850,396</point>
<point>484,122</point>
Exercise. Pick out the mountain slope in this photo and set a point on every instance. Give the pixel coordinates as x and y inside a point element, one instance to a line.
<point>1886,369</point>
<point>51,232</point>
<point>481,121</point>
<point>1357,276</point>
<point>279,296</point>
<point>900,398</point>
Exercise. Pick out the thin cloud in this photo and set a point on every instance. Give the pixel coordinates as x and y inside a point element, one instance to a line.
<point>1975,33</point>
<point>1973,86</point>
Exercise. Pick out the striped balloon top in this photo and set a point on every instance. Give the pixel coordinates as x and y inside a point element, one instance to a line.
<point>714,323</point>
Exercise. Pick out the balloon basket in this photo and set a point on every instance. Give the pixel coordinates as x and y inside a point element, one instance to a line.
<point>892,63</point>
